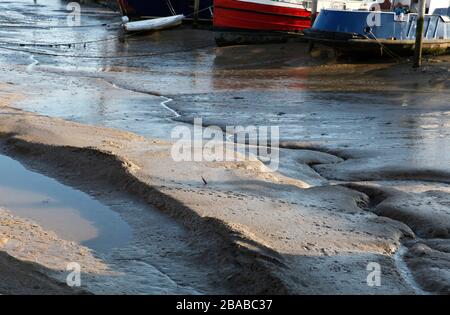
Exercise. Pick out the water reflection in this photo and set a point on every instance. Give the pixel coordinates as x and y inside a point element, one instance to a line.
<point>69,213</point>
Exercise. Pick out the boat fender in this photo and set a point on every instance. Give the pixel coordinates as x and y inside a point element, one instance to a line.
<point>125,19</point>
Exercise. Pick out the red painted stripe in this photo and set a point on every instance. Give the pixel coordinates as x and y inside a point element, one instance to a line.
<point>257,7</point>
<point>254,16</point>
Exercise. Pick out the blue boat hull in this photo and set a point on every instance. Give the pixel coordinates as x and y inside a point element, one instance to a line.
<point>351,32</point>
<point>162,8</point>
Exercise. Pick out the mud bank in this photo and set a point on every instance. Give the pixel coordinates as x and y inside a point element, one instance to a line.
<point>247,230</point>
<point>364,173</point>
<point>265,234</point>
<point>19,277</point>
<point>426,212</point>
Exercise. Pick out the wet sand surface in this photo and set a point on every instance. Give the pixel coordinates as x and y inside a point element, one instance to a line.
<point>384,128</point>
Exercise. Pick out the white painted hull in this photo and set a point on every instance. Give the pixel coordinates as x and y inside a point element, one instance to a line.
<point>154,24</point>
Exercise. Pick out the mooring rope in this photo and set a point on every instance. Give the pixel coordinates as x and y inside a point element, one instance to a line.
<point>7,45</point>
<point>200,11</point>
<point>84,43</point>
<point>53,45</point>
<point>151,54</point>
<point>390,52</point>
<point>171,8</point>
<point>49,27</point>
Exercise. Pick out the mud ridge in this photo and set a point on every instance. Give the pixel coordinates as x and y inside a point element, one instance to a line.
<point>315,147</point>
<point>424,255</point>
<point>383,174</point>
<point>427,220</point>
<point>247,269</point>
<point>375,195</point>
<point>431,176</point>
<point>27,278</point>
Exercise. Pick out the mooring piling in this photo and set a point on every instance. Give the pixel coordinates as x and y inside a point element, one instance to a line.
<point>196,12</point>
<point>419,34</point>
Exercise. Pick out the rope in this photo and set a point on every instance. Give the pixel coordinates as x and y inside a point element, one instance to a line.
<point>200,11</point>
<point>73,43</point>
<point>84,43</point>
<point>172,10</point>
<point>52,26</point>
<point>103,57</point>
<point>390,52</point>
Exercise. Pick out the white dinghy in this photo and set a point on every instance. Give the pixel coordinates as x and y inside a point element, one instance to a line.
<point>153,24</point>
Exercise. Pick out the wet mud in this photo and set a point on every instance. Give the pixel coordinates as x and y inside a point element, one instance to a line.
<point>366,145</point>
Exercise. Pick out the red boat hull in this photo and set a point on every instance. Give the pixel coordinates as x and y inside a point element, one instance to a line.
<point>260,15</point>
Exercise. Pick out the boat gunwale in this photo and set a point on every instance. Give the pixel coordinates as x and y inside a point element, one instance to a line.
<point>309,35</point>
<point>443,20</point>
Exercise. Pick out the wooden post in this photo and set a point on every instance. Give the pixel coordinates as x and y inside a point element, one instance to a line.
<point>314,6</point>
<point>419,34</point>
<point>196,12</point>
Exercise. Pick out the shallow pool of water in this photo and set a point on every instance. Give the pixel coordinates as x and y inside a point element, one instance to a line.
<point>70,213</point>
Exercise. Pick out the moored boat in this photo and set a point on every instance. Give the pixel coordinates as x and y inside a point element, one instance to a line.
<point>262,21</point>
<point>252,21</point>
<point>144,9</point>
<point>383,33</point>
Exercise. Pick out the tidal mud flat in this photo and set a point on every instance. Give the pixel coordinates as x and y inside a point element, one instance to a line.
<point>363,178</point>
<point>272,233</point>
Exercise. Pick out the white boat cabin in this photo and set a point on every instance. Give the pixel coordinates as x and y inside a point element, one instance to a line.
<point>436,7</point>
